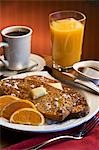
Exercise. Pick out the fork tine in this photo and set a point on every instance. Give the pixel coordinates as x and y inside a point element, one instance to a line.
<point>90,125</point>
<point>95,118</point>
<point>96,123</point>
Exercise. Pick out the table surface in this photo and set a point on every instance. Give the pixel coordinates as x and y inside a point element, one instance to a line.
<point>10,136</point>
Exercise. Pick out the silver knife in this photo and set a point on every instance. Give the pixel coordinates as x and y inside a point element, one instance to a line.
<point>72,80</point>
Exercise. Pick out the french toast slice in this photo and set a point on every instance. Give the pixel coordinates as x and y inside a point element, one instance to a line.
<point>22,87</point>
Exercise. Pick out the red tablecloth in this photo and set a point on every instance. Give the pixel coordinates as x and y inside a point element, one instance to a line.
<point>90,142</point>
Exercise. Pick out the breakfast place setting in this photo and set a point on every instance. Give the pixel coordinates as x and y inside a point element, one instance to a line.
<point>48,101</point>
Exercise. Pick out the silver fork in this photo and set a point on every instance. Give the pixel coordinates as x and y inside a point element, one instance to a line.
<point>86,128</point>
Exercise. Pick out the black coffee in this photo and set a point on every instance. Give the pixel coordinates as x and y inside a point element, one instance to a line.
<point>17,33</point>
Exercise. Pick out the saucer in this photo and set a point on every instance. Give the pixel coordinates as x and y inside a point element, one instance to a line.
<point>34,59</point>
<point>88,69</point>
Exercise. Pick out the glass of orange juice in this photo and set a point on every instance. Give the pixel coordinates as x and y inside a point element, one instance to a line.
<point>67,30</point>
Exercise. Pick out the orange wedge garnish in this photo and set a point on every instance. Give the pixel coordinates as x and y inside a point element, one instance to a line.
<point>9,109</point>
<point>27,116</point>
<point>5,100</point>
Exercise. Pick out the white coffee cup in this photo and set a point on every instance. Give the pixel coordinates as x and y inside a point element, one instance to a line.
<point>17,46</point>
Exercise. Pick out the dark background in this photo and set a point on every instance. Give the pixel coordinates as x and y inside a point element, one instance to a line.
<point>34,13</point>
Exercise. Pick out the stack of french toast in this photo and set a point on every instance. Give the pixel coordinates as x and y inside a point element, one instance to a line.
<point>54,100</point>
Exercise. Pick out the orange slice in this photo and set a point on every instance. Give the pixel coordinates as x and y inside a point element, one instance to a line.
<point>5,100</point>
<point>27,116</point>
<point>9,109</point>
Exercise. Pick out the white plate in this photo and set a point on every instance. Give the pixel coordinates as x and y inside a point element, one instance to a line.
<point>33,60</point>
<point>93,102</point>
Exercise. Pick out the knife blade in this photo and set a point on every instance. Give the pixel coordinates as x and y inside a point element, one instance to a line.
<point>71,80</point>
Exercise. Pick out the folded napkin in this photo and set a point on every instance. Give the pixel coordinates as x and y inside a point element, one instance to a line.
<point>91,141</point>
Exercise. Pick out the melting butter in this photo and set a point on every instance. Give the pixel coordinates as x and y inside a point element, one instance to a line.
<point>38,92</point>
<point>56,85</point>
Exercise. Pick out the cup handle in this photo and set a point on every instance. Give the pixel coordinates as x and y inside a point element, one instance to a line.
<point>4,44</point>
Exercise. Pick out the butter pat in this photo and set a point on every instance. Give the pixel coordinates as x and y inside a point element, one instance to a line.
<point>38,92</point>
<point>56,85</point>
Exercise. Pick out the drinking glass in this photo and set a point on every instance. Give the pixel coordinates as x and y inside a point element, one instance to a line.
<point>67,30</point>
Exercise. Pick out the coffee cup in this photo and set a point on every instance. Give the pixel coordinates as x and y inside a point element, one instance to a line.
<point>16,42</point>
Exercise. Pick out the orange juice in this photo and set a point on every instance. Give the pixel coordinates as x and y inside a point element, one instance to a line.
<point>67,37</point>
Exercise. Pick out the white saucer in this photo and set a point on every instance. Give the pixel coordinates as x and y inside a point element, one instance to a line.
<point>90,69</point>
<point>33,60</point>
